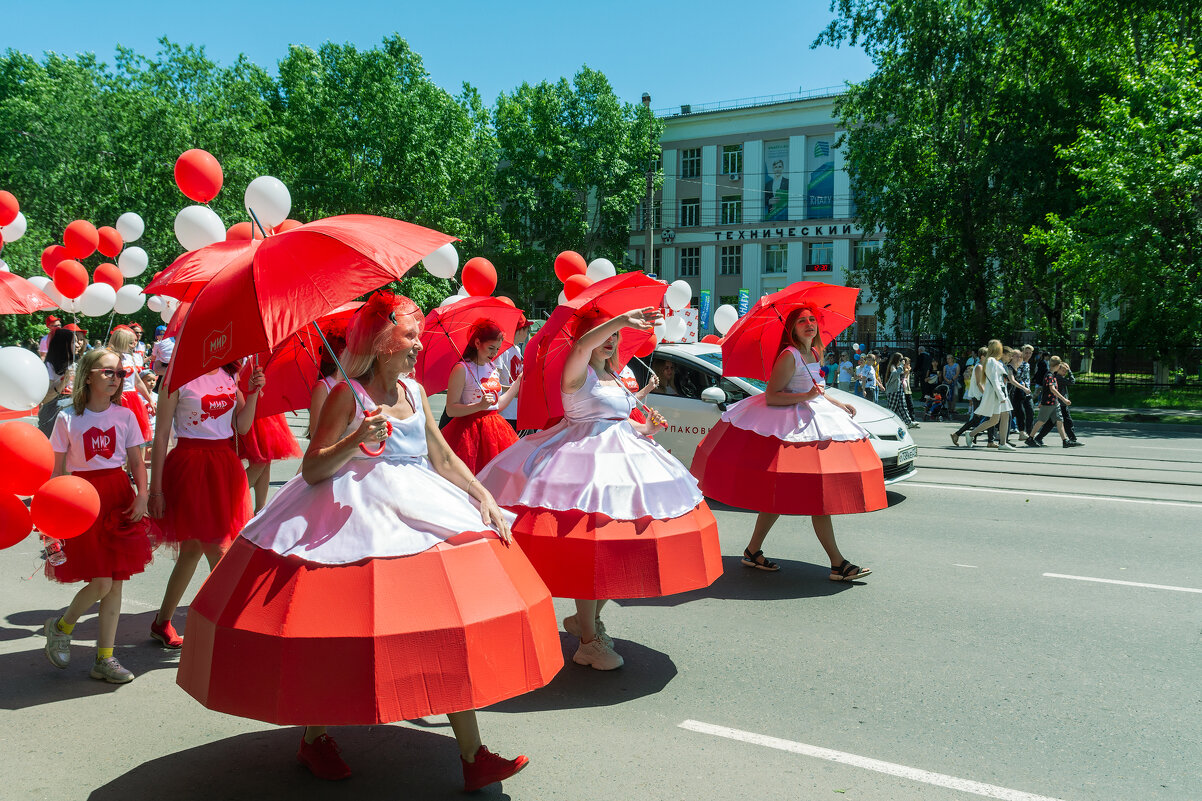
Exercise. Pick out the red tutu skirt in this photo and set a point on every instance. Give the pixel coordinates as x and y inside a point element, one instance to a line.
<point>112,547</point>
<point>751,471</point>
<point>592,556</point>
<point>268,439</point>
<point>479,437</point>
<point>206,494</point>
<point>459,626</point>
<point>133,401</point>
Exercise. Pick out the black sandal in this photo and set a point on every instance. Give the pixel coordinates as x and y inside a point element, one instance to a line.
<point>848,572</point>
<point>759,561</point>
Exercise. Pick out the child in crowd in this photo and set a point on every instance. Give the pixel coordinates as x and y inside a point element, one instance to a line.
<point>1052,404</point>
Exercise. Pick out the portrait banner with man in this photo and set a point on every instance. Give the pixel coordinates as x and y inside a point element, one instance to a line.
<point>776,183</point>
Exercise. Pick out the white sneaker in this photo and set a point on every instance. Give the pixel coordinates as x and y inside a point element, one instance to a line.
<point>58,643</point>
<point>597,655</point>
<point>110,670</point>
<point>572,626</point>
<point>1006,446</point>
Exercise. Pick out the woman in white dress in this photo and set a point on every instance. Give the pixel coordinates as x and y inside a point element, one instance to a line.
<point>995,404</point>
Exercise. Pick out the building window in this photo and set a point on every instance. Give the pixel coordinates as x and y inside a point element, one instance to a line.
<point>819,256</point>
<point>730,260</point>
<point>690,262</point>
<point>640,216</point>
<point>864,251</point>
<point>657,260</point>
<point>776,259</point>
<point>732,160</point>
<point>690,212</point>
<point>732,209</point>
<point>690,163</point>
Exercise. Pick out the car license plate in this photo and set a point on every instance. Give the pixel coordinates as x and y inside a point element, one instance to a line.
<point>907,454</point>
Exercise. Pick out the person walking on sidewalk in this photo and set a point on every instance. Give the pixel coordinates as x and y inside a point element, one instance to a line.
<point>1063,379</point>
<point>894,391</point>
<point>995,401</point>
<point>1050,404</point>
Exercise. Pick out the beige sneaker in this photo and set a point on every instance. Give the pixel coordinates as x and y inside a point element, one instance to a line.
<point>110,670</point>
<point>598,656</point>
<point>572,626</point>
<point>58,643</point>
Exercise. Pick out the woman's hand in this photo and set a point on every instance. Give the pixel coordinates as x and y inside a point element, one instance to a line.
<point>653,423</point>
<point>257,381</point>
<point>373,429</point>
<point>491,514</point>
<point>156,505</point>
<point>652,383</point>
<point>847,407</point>
<point>136,510</point>
<point>643,319</point>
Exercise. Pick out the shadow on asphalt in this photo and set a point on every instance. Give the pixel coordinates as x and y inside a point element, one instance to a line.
<point>386,762</point>
<point>30,680</point>
<point>646,672</point>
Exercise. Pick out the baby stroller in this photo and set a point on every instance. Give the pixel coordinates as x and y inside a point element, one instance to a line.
<point>936,408</point>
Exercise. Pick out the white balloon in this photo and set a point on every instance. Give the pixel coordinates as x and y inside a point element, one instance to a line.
<point>443,262</point>
<point>50,291</point>
<point>41,282</point>
<point>15,229</point>
<point>600,268</point>
<point>269,199</point>
<point>197,227</point>
<point>69,304</point>
<point>4,267</point>
<point>463,293</point>
<point>23,379</point>
<point>675,328</point>
<point>129,299</point>
<point>451,299</point>
<point>154,303</point>
<point>130,226</point>
<point>562,298</point>
<point>661,329</point>
<point>97,300</point>
<point>167,313</point>
<point>132,262</point>
<point>724,317</point>
<point>678,295</point>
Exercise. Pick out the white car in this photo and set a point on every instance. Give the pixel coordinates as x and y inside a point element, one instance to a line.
<point>703,393</point>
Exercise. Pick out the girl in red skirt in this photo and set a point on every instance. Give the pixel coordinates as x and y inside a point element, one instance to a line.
<point>135,395</point>
<point>477,432</point>
<point>91,440</point>
<point>198,493</point>
<point>791,450</point>
<point>269,439</point>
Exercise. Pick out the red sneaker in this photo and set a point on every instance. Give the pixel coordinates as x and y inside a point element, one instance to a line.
<point>489,768</point>
<point>166,634</point>
<point>322,760</point>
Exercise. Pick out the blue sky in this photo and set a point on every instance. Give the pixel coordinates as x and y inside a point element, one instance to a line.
<point>680,52</point>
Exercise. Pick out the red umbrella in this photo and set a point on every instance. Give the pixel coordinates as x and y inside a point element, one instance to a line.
<point>445,334</point>
<point>540,403</point>
<point>188,274</point>
<point>752,344</point>
<point>286,281</point>
<point>294,368</point>
<point>18,296</point>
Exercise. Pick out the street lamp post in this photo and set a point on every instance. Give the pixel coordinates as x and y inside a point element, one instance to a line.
<point>649,219</point>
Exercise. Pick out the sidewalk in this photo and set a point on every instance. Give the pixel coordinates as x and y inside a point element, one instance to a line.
<point>1191,413</point>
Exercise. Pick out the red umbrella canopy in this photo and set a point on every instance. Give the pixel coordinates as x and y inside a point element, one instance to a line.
<point>188,274</point>
<point>18,296</point>
<point>447,329</point>
<point>261,298</point>
<point>294,368</point>
<point>752,344</point>
<point>540,402</point>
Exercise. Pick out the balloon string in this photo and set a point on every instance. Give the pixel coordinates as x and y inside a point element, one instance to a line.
<point>626,389</point>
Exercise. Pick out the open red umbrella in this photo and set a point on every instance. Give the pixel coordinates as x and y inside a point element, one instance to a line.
<point>188,274</point>
<point>282,283</point>
<point>540,403</point>
<point>752,344</point>
<point>18,296</point>
<point>445,334</point>
<point>294,368</point>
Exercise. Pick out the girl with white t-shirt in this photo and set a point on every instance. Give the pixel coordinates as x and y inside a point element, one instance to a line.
<point>92,440</point>
<point>477,432</point>
<point>133,388</point>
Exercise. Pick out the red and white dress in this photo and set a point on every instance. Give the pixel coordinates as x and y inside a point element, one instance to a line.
<point>604,512</point>
<point>130,398</point>
<point>480,436</point>
<point>373,596</point>
<point>810,458</point>
<point>204,486</point>
<point>95,445</point>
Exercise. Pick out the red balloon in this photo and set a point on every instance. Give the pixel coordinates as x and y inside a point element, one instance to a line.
<point>712,339</point>
<point>647,348</point>
<point>242,231</point>
<point>110,241</point>
<point>65,507</point>
<point>575,285</point>
<point>198,175</point>
<point>81,239</point>
<point>8,207</point>
<point>51,256</point>
<point>27,457</point>
<point>479,277</point>
<point>507,300</point>
<point>569,263</point>
<point>15,523</point>
<point>286,225</point>
<point>70,278</point>
<point>108,274</point>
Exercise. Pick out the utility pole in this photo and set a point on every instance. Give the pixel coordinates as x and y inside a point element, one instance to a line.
<point>649,214</point>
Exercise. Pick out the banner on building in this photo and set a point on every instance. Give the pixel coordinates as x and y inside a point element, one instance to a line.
<point>776,180</point>
<point>744,301</point>
<point>703,308</point>
<point>820,189</point>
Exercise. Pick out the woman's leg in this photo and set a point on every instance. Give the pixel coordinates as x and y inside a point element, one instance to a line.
<point>763,523</point>
<point>110,613</point>
<point>181,575</point>
<point>1003,428</point>
<point>825,530</point>
<point>313,732</point>
<point>467,732</point>
<point>90,593</point>
<point>586,618</point>
<point>991,422</point>
<point>259,478</point>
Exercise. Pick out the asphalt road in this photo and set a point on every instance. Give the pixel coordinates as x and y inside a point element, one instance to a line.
<point>960,669</point>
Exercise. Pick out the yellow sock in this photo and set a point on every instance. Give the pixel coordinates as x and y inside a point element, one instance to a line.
<point>65,628</point>
<point>103,653</point>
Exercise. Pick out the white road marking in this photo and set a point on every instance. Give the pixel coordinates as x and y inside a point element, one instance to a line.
<point>1058,495</point>
<point>1158,448</point>
<point>867,763</point>
<point>974,567</point>
<point>1123,583</point>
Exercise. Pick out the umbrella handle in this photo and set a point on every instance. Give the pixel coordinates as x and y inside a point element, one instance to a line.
<point>814,351</point>
<point>380,448</point>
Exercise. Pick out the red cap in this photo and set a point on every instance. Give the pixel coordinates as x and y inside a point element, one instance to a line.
<point>524,323</point>
<point>75,328</point>
<point>52,319</point>
<point>135,327</point>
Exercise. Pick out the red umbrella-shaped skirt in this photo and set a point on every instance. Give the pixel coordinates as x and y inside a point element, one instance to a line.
<point>602,510</point>
<point>377,594</point>
<point>807,458</point>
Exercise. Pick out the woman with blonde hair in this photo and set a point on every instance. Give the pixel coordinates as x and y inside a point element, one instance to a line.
<point>995,405</point>
<point>135,395</point>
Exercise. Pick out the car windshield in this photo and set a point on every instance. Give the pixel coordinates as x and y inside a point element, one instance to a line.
<point>715,358</point>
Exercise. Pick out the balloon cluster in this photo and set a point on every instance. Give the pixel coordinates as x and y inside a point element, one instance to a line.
<point>578,275</point>
<point>61,507</point>
<point>479,277</point>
